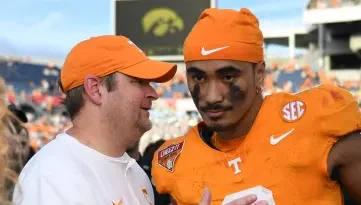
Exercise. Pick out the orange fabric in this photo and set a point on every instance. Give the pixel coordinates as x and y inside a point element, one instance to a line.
<point>295,169</point>
<point>226,145</point>
<point>104,55</point>
<point>218,28</point>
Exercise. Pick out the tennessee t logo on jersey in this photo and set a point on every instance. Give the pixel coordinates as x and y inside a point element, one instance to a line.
<point>168,156</point>
<point>234,163</point>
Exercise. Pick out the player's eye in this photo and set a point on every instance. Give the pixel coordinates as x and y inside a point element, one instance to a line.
<point>228,78</point>
<point>198,78</point>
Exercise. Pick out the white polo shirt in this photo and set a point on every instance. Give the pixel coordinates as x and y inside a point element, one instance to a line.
<point>66,172</point>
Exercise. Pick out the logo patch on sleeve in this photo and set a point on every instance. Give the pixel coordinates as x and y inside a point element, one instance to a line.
<point>168,155</point>
<point>293,111</point>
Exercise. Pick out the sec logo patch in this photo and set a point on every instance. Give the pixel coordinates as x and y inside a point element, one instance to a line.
<point>293,111</point>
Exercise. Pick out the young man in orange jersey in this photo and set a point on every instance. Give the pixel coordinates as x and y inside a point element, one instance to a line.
<point>300,147</point>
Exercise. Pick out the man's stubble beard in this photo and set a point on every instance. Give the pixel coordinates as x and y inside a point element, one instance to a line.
<point>117,126</point>
<point>126,125</point>
<point>143,125</point>
<point>220,127</point>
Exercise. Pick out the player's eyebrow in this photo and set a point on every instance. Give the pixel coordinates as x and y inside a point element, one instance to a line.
<point>195,70</point>
<point>228,69</point>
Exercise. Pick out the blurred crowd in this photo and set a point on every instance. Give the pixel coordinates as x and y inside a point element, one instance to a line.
<point>32,95</point>
<point>293,78</point>
<point>322,4</point>
<point>33,89</point>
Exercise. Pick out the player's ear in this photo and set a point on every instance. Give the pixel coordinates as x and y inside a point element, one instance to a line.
<point>259,73</point>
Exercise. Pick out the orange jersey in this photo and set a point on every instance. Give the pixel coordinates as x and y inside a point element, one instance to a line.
<point>285,151</point>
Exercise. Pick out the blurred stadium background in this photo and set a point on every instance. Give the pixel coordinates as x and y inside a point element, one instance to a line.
<point>325,48</point>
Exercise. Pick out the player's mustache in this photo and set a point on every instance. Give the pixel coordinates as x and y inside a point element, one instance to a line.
<point>215,107</point>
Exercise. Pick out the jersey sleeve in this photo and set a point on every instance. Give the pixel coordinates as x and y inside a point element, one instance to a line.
<point>340,113</point>
<point>337,115</point>
<point>161,176</point>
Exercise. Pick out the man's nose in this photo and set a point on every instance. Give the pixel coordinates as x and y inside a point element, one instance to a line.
<point>150,92</point>
<point>213,94</point>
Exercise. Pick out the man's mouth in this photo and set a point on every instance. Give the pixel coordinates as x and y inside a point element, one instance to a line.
<point>215,113</point>
<point>146,108</point>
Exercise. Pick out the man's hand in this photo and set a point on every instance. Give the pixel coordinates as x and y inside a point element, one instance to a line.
<point>247,200</point>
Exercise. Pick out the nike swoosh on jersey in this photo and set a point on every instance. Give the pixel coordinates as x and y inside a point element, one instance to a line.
<point>207,52</point>
<point>275,141</point>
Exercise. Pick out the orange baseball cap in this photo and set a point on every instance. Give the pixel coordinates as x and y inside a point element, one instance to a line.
<point>104,55</point>
<point>225,34</point>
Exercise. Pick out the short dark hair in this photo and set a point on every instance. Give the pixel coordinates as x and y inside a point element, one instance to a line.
<point>74,100</point>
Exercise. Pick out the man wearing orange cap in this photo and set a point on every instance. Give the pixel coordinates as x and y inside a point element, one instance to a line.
<point>108,95</point>
<point>286,149</point>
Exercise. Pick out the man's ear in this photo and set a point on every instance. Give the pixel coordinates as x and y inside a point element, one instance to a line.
<point>260,71</point>
<point>92,89</point>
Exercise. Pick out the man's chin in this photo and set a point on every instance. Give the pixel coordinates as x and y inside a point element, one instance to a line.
<point>216,126</point>
<point>144,126</point>
<point>147,127</point>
